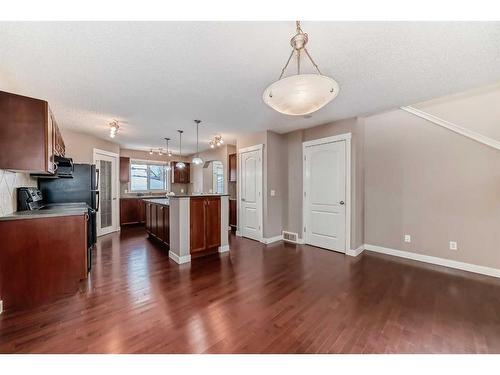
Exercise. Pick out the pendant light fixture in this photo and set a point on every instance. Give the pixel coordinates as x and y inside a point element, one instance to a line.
<point>216,141</point>
<point>113,128</point>
<point>167,167</point>
<point>300,94</point>
<point>180,164</point>
<point>197,160</point>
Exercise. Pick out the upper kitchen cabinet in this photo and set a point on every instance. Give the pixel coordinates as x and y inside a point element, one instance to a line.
<point>180,176</point>
<point>29,135</point>
<point>124,169</point>
<point>232,168</point>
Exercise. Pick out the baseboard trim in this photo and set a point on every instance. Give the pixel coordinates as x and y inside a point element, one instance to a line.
<point>301,241</point>
<point>238,233</point>
<point>488,271</point>
<point>223,249</point>
<point>177,259</point>
<point>270,240</point>
<point>355,252</point>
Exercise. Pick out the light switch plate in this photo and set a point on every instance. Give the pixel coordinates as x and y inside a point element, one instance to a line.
<point>453,245</point>
<point>407,238</point>
<point>273,193</point>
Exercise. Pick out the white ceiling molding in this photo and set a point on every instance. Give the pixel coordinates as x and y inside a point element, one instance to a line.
<point>453,127</point>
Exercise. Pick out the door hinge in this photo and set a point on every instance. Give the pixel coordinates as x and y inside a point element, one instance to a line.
<point>304,229</point>
<point>304,193</point>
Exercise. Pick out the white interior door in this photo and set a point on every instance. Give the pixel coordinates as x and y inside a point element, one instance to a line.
<point>107,216</point>
<point>250,207</point>
<point>325,195</point>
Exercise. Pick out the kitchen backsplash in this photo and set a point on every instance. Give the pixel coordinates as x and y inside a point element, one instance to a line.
<point>9,181</point>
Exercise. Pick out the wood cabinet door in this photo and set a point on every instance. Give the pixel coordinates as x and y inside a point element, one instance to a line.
<point>124,169</point>
<point>160,228</point>
<point>232,168</point>
<point>212,208</point>
<point>148,216</point>
<point>197,224</point>
<point>142,211</point>
<point>154,219</point>
<point>166,225</point>
<point>186,174</point>
<point>232,213</point>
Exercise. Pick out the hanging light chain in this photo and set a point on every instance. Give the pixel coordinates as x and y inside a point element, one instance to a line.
<point>297,50</point>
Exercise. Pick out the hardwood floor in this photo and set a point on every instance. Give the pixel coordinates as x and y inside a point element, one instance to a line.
<point>260,299</point>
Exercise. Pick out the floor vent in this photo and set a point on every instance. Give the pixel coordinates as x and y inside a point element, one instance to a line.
<point>290,236</point>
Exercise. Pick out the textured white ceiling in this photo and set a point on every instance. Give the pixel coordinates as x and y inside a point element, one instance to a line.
<point>156,77</point>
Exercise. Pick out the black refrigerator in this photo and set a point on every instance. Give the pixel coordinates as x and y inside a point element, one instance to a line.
<point>83,187</point>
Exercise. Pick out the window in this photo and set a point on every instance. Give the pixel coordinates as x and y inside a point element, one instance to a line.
<point>218,177</point>
<point>147,176</point>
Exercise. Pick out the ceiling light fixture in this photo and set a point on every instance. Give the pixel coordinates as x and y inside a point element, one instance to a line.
<point>300,94</point>
<point>197,160</point>
<point>180,164</point>
<point>216,141</point>
<point>169,154</point>
<point>151,152</point>
<point>113,128</point>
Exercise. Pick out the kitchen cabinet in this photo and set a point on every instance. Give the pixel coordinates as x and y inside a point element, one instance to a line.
<point>180,176</point>
<point>232,213</point>
<point>46,264</point>
<point>29,135</point>
<point>124,169</point>
<point>205,221</point>
<point>132,211</point>
<point>158,221</point>
<point>232,168</point>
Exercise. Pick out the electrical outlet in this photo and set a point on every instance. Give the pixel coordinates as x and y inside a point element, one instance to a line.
<point>453,245</point>
<point>273,193</point>
<point>407,238</point>
<point>1,306</point>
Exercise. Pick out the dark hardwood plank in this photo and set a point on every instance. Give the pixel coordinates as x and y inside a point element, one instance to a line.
<point>278,298</point>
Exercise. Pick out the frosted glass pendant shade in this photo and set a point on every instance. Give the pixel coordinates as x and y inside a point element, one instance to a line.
<point>197,160</point>
<point>300,94</point>
<point>180,165</point>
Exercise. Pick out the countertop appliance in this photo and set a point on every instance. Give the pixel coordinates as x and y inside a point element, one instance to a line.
<point>82,188</point>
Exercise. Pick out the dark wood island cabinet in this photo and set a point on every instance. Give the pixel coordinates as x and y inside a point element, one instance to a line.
<point>158,219</point>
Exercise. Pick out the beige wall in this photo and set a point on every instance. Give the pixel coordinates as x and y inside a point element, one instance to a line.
<point>80,146</point>
<point>276,179</point>
<point>293,219</point>
<point>283,174</point>
<point>201,178</point>
<point>434,184</point>
<point>475,110</point>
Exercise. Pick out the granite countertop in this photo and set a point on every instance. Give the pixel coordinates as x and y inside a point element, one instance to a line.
<point>160,201</point>
<point>197,195</point>
<point>50,211</point>
<point>149,196</point>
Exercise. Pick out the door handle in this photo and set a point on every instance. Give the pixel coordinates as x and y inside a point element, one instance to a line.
<point>341,203</point>
<point>243,199</point>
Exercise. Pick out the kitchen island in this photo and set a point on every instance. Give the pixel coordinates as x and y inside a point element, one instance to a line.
<point>190,225</point>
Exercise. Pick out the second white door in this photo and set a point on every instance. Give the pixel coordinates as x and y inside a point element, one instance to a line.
<point>107,216</point>
<point>250,207</point>
<point>325,195</point>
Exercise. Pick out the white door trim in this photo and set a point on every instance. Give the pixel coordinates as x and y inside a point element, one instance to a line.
<point>116,208</point>
<point>336,138</point>
<point>259,147</point>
